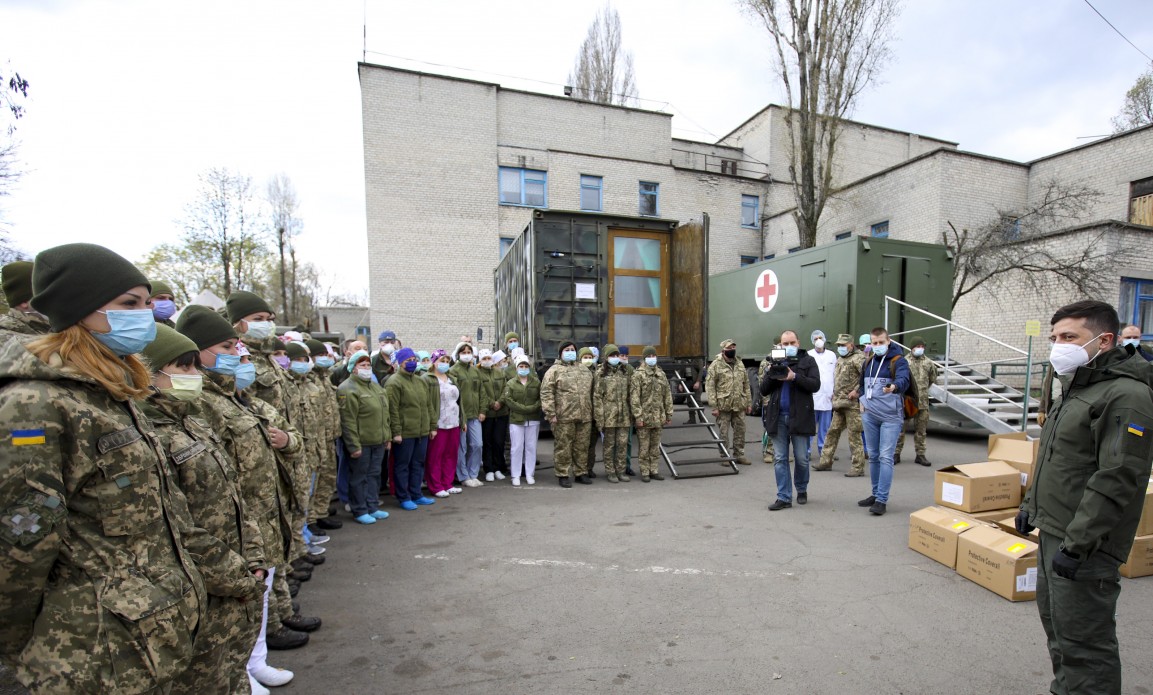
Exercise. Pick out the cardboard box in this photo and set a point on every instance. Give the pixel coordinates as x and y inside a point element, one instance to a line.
<point>1009,525</point>
<point>1017,450</point>
<point>1003,564</point>
<point>1140,561</point>
<point>933,532</point>
<point>978,487</point>
<point>1145,528</point>
<point>993,515</point>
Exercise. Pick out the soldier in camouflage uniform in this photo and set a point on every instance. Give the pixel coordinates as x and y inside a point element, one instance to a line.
<point>925,373</point>
<point>263,444</point>
<point>252,318</point>
<point>611,411</point>
<point>730,397</point>
<point>21,318</point>
<point>588,358</point>
<point>208,477</point>
<point>566,399</point>
<point>651,403</point>
<point>846,408</point>
<point>302,401</point>
<point>329,414</point>
<point>99,591</point>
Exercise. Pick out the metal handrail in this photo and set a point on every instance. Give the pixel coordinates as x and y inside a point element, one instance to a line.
<point>982,387</point>
<point>948,324</point>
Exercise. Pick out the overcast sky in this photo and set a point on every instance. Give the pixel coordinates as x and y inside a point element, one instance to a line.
<point>131,99</point>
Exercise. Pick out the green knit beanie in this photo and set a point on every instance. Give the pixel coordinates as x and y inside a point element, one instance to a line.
<point>316,347</point>
<point>71,281</point>
<point>510,336</point>
<point>917,340</point>
<point>277,345</point>
<point>169,345</point>
<point>649,351</point>
<point>161,287</point>
<point>296,350</point>
<point>583,351</point>
<point>17,278</point>
<point>241,304</point>
<point>610,349</point>
<point>204,326</point>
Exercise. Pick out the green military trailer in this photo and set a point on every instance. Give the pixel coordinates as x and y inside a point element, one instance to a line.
<point>594,279</point>
<point>837,288</point>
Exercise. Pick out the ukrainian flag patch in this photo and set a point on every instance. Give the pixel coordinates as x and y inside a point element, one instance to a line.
<point>1136,429</point>
<point>27,437</point>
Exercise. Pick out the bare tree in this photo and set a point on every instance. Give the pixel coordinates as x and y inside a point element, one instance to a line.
<point>1014,245</point>
<point>225,223</point>
<point>828,53</point>
<point>13,90</point>
<point>1137,110</point>
<point>282,202</point>
<point>604,71</point>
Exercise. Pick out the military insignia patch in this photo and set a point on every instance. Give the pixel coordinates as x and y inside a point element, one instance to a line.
<point>27,437</point>
<point>1136,429</point>
<point>30,519</point>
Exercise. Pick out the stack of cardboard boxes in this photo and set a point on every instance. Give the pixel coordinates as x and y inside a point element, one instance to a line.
<point>972,529</point>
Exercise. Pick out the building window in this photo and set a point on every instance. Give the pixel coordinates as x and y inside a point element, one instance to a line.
<point>794,249</point>
<point>843,235</point>
<point>591,193</point>
<point>1010,228</point>
<point>770,257</point>
<point>1136,305</point>
<point>880,230</point>
<point>523,187</point>
<point>750,206</point>
<point>505,245</point>
<point>650,198</point>
<point>1141,202</point>
<point>748,260</point>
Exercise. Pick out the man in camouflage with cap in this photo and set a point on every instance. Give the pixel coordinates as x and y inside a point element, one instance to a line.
<point>730,397</point>
<point>21,318</point>
<point>925,373</point>
<point>846,408</point>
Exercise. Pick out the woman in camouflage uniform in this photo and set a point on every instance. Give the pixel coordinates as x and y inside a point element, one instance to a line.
<point>611,411</point>
<point>651,402</point>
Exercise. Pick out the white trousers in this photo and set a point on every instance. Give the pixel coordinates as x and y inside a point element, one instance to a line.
<point>523,438</point>
<point>259,657</point>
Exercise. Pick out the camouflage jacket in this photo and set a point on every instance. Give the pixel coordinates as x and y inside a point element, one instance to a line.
<point>925,372</point>
<point>303,401</point>
<point>611,397</point>
<point>264,474</point>
<point>17,322</point>
<point>650,397</point>
<point>97,590</point>
<point>728,385</point>
<point>846,379</point>
<point>272,382</point>
<point>566,392</point>
<point>207,476</point>
<point>328,407</point>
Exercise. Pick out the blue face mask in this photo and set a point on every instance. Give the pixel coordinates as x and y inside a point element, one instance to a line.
<point>512,345</point>
<point>409,366</point>
<point>301,368</point>
<point>568,355</point>
<point>790,351</point>
<point>163,309</point>
<point>245,375</point>
<point>614,361</point>
<point>1135,342</point>
<point>225,364</point>
<point>842,350</point>
<point>651,361</point>
<point>523,371</point>
<point>443,367</point>
<point>325,362</point>
<point>131,331</point>
<point>880,350</point>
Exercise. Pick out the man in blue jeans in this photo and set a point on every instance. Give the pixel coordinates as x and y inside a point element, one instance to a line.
<point>884,380</point>
<point>789,384</point>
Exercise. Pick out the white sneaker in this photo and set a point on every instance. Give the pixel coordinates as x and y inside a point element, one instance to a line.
<point>488,477</point>
<point>516,482</point>
<point>499,475</point>
<point>348,508</point>
<point>271,676</point>
<point>470,483</point>
<point>442,493</point>
<point>454,491</point>
<point>530,480</point>
<point>257,688</point>
<point>478,483</point>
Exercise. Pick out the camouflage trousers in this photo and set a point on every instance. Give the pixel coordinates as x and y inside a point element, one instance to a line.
<point>649,439</point>
<point>302,471</point>
<point>325,486</point>
<point>594,437</point>
<point>570,448</point>
<point>921,424</point>
<point>225,638</point>
<point>616,444</point>
<point>280,599</point>
<point>844,419</point>
<point>733,420</point>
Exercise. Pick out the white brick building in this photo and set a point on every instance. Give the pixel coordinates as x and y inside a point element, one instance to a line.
<point>454,168</point>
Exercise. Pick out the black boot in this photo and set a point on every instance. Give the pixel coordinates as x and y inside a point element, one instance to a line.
<point>329,522</point>
<point>286,638</point>
<point>584,480</point>
<point>564,482</point>
<point>301,624</point>
<point>922,460</point>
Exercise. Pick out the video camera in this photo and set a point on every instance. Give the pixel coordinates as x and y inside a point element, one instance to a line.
<point>780,363</point>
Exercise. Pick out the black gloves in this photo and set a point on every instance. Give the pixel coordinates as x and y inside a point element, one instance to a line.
<point>1022,523</point>
<point>1066,565</point>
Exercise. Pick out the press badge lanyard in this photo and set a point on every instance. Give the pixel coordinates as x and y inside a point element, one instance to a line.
<point>876,375</point>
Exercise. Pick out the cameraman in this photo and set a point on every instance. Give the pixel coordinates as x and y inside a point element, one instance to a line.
<point>789,383</point>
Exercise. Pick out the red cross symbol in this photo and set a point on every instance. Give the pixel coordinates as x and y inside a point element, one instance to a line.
<point>766,291</point>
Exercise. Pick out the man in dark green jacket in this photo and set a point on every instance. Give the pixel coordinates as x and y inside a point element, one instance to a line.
<point>1087,493</point>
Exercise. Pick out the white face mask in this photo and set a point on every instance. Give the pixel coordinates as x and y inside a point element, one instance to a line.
<point>466,358</point>
<point>185,387</point>
<point>819,343</point>
<point>1067,357</point>
<point>587,361</point>
<point>918,351</point>
<point>388,348</point>
<point>259,330</point>
<point>364,373</point>
<point>1135,342</point>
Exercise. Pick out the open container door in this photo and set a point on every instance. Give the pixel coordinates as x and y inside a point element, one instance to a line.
<point>690,290</point>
